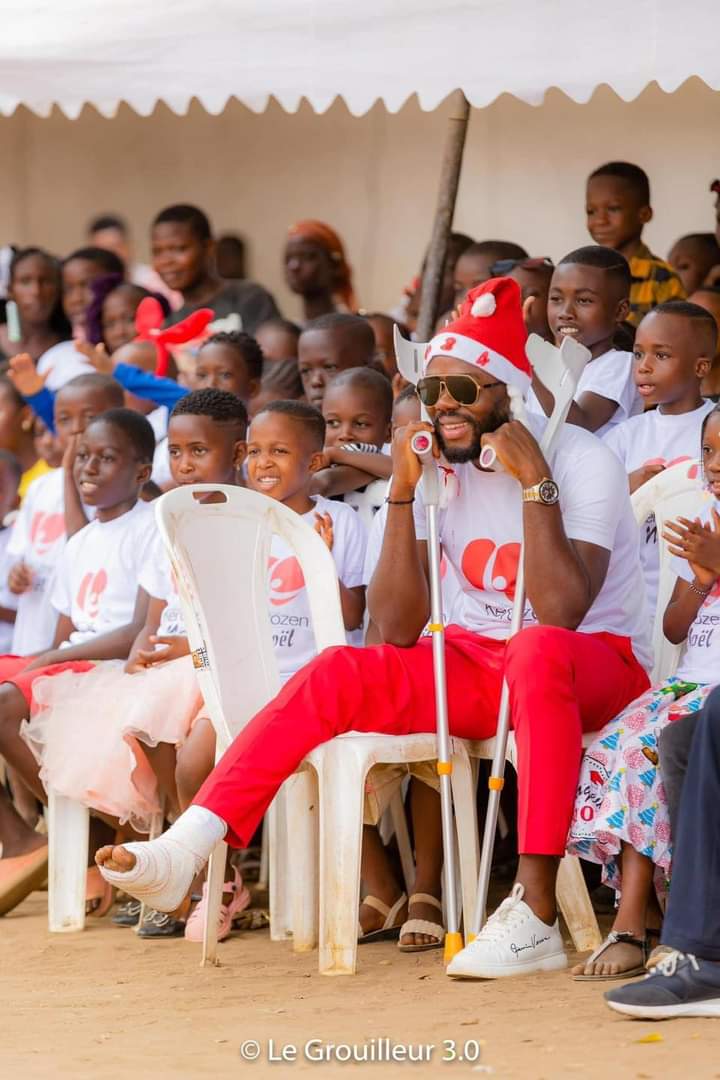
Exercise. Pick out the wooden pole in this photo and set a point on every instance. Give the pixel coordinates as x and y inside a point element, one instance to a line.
<point>449,179</point>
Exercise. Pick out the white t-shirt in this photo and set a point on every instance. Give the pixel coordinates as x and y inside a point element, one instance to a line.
<point>481,532</point>
<point>7,599</point>
<point>450,584</point>
<point>158,420</point>
<point>654,438</point>
<point>610,376</point>
<point>701,659</point>
<point>38,538</point>
<point>289,608</point>
<point>98,573</point>
<point>158,580</point>
<point>61,363</point>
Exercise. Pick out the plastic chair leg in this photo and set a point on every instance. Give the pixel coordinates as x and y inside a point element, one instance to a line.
<point>402,836</point>
<point>215,882</point>
<point>68,840</point>
<point>342,780</point>
<point>301,793</point>
<point>575,905</point>
<point>466,827</point>
<point>279,891</point>
<point>264,874</point>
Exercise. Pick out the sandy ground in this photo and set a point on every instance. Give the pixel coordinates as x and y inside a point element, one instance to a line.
<point>104,1004</point>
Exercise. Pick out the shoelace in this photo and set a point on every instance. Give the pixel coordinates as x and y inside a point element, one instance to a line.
<point>505,918</point>
<point>669,965</point>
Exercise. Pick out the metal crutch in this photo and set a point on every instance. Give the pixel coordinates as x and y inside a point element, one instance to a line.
<point>422,445</point>
<point>559,369</point>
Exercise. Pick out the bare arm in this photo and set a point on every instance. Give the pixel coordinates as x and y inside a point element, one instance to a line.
<point>115,645</point>
<point>699,545</point>
<point>378,466</point>
<point>562,576</point>
<point>352,602</point>
<point>681,611</point>
<point>75,519</point>
<point>399,604</point>
<point>591,411</point>
<point>339,481</point>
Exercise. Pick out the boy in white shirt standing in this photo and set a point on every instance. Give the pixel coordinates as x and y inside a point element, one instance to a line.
<point>588,300</point>
<point>674,347</point>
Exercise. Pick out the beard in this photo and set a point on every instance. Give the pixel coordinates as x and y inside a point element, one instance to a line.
<point>458,455</point>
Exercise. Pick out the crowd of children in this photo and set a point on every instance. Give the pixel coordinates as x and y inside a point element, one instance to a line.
<point>121,381</point>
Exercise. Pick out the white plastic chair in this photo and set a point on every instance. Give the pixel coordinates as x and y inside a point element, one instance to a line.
<point>238,675</point>
<point>675,492</point>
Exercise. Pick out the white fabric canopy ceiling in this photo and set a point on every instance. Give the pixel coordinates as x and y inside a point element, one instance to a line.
<point>77,52</point>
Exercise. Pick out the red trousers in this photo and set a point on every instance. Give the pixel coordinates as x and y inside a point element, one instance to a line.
<point>561,684</point>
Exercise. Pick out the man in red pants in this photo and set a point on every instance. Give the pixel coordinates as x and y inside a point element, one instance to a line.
<point>577,662</point>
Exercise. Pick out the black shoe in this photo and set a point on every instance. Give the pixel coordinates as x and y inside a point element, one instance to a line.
<point>157,924</point>
<point>127,914</point>
<point>680,985</point>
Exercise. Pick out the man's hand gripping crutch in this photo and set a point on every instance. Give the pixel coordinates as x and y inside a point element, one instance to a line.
<point>559,369</point>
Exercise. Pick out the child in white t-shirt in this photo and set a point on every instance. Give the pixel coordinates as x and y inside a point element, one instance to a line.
<point>357,407</point>
<point>621,815</point>
<point>40,529</point>
<point>588,300</point>
<point>10,474</point>
<point>674,347</point>
<point>100,609</point>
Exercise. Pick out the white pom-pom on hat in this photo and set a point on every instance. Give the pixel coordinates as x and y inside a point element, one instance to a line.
<point>484,305</point>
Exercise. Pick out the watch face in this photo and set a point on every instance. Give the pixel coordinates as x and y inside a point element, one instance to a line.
<point>548,492</point>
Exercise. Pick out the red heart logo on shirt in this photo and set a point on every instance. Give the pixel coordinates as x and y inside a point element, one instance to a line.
<point>497,574</point>
<point>46,530</point>
<point>286,580</point>
<point>90,592</point>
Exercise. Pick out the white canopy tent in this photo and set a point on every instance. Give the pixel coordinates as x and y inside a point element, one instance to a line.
<point>76,52</point>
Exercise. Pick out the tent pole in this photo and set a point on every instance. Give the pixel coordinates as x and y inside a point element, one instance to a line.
<point>449,179</point>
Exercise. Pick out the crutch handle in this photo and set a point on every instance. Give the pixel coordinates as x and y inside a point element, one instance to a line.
<point>422,446</point>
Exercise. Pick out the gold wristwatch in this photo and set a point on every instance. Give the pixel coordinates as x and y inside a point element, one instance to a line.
<point>545,491</point>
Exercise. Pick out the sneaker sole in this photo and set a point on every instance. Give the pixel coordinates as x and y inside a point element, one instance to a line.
<point>556,962</point>
<point>667,1012</point>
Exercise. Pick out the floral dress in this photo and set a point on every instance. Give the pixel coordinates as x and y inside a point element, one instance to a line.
<point>620,796</point>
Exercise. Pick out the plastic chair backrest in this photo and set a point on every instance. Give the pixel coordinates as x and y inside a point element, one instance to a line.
<point>675,492</point>
<point>368,502</point>
<point>219,552</point>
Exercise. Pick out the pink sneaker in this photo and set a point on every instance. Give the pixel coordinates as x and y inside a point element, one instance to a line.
<point>240,900</point>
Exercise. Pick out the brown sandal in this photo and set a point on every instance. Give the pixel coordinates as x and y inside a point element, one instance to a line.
<point>616,937</point>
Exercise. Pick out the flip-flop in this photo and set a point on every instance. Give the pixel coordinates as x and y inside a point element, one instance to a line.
<point>389,929</point>
<point>21,875</point>
<point>616,937</point>
<point>422,926</point>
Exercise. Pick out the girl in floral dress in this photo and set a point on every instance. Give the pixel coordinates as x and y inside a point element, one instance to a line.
<point>621,818</point>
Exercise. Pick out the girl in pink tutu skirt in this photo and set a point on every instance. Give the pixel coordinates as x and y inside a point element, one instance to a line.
<point>110,741</point>
<point>621,816</point>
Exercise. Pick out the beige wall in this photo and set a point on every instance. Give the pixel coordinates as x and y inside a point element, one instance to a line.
<point>373,178</point>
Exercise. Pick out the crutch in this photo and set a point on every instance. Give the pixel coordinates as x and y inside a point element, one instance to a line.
<point>559,369</point>
<point>422,445</point>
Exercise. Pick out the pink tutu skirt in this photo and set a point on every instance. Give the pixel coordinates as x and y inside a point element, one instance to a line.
<point>87,731</point>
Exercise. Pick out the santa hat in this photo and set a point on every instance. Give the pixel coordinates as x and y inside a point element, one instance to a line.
<point>489,333</point>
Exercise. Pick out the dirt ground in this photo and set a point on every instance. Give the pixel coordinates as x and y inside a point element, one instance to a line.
<point>104,1005</point>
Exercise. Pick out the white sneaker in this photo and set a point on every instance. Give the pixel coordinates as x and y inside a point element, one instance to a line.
<point>512,942</point>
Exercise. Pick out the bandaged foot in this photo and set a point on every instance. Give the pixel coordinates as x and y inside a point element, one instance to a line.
<point>160,872</point>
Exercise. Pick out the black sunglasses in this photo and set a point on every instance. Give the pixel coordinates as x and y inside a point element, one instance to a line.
<point>506,266</point>
<point>463,389</point>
